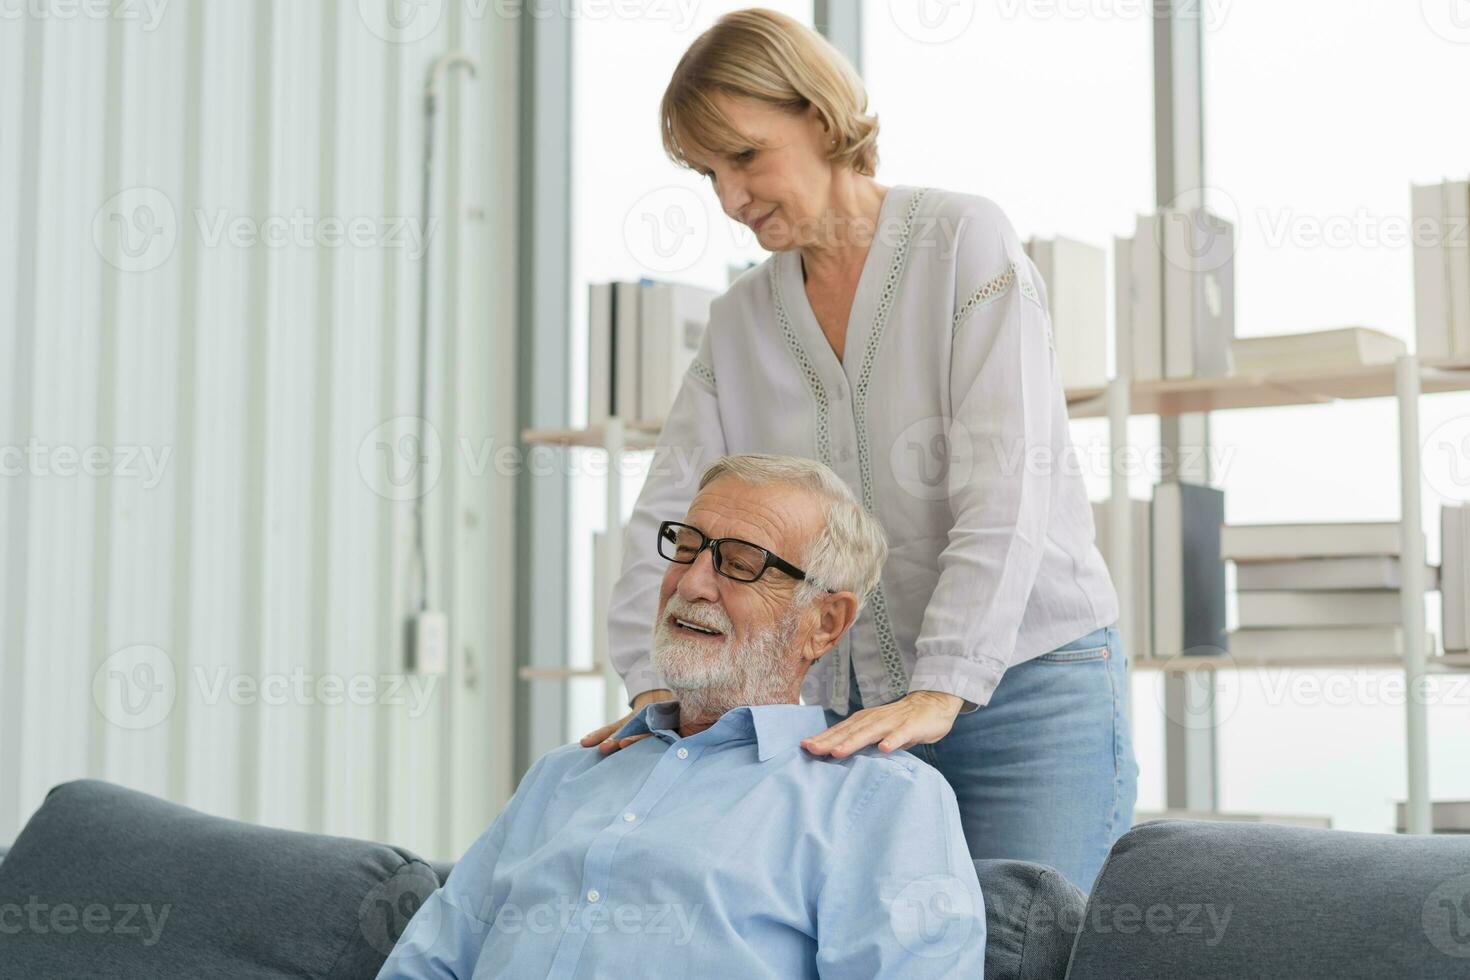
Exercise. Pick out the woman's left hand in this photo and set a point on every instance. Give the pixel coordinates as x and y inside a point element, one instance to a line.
<point>917,718</point>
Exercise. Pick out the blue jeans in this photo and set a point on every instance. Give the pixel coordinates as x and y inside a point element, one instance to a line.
<point>1045,772</point>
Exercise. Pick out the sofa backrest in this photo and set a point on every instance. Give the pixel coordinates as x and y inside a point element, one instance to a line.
<point>1189,898</point>
<point>105,881</point>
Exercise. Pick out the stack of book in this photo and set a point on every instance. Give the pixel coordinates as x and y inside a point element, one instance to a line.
<point>1322,591</point>
<point>1175,293</point>
<point>1178,576</point>
<point>1454,553</point>
<point>1442,268</point>
<point>641,338</point>
<point>1076,280</point>
<point>1318,350</point>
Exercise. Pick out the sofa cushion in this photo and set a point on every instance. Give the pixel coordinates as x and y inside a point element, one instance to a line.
<point>1189,898</point>
<point>1031,918</point>
<point>105,881</point>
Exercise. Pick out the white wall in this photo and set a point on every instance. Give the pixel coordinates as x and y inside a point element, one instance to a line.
<point>257,533</point>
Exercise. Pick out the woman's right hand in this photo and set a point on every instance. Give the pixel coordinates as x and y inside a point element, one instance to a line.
<point>603,737</point>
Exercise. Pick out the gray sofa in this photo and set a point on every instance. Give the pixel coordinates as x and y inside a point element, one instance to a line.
<point>107,882</point>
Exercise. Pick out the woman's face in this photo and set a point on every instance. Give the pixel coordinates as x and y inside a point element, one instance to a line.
<point>779,185</point>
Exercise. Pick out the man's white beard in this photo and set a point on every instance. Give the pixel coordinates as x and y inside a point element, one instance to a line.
<point>709,680</point>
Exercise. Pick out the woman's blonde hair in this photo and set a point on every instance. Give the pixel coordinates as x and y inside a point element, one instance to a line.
<point>764,55</point>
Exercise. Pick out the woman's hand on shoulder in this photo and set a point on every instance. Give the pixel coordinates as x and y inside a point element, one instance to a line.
<point>603,737</point>
<point>917,718</point>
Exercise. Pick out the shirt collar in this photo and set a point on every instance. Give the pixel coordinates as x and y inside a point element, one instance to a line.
<point>776,727</point>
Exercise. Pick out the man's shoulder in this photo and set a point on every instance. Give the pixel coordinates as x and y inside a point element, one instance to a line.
<point>885,774</point>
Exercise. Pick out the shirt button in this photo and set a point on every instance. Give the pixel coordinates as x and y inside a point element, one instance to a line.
<point>682,753</point>
<point>629,817</point>
<point>593,896</point>
<point>845,455</point>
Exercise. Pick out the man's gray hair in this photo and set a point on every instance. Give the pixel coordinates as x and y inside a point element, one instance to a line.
<point>848,554</point>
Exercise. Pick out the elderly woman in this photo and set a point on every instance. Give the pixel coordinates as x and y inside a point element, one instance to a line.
<point>900,335</point>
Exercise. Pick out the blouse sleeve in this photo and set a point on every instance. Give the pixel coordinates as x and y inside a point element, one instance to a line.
<point>692,438</point>
<point>1002,392</point>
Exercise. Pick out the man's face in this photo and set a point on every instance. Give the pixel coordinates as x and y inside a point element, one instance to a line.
<point>758,638</point>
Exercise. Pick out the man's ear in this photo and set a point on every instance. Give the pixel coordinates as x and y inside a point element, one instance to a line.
<point>835,614</point>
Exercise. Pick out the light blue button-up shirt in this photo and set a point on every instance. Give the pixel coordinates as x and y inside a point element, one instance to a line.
<point>730,853</point>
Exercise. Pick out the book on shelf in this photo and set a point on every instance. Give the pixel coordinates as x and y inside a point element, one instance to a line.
<point>1123,301</point>
<point>1175,295</point>
<point>1140,558</point>
<point>1317,350</point>
<point>1329,643</point>
<point>1263,542</point>
<point>1188,572</point>
<point>673,320</point>
<point>599,352</point>
<point>1146,316</point>
<point>1441,268</point>
<point>1445,817</point>
<point>1454,547</point>
<point>1303,574</point>
<point>641,339</point>
<point>1291,608</point>
<point>1199,293</point>
<point>627,352</point>
<point>1075,275</point>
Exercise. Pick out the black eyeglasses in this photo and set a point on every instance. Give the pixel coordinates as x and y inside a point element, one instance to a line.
<point>734,559</point>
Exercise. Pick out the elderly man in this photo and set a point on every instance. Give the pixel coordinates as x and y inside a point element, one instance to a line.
<point>717,846</point>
